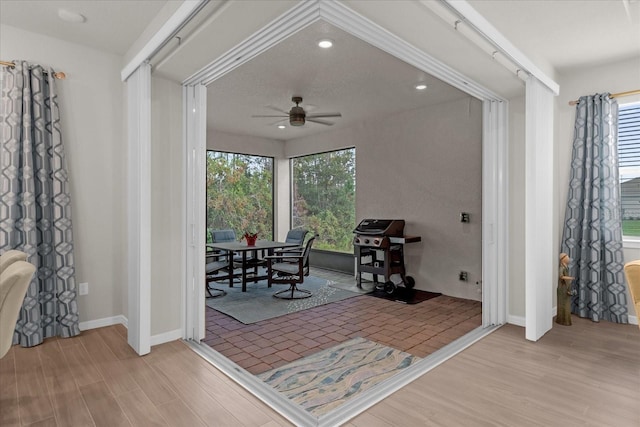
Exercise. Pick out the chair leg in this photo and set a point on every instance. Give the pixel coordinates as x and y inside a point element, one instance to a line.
<point>210,290</point>
<point>218,292</point>
<point>284,294</point>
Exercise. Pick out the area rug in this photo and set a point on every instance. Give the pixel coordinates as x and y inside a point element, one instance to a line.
<point>323,381</point>
<point>367,287</point>
<point>258,303</point>
<point>405,296</point>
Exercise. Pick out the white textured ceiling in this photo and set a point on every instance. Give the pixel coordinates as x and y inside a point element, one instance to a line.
<point>568,33</point>
<point>353,78</point>
<point>111,25</point>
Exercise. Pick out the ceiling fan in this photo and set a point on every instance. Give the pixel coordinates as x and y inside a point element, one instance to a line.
<point>297,116</point>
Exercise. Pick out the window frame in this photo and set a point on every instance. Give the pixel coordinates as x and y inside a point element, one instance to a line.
<point>628,241</point>
<point>291,187</point>
<point>273,188</point>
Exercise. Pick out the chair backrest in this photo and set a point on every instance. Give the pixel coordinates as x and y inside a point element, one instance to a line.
<point>14,282</point>
<point>296,236</point>
<point>223,236</point>
<point>305,255</point>
<point>9,257</point>
<point>632,271</point>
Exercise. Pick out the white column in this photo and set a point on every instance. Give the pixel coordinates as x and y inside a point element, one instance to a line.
<point>495,257</point>
<point>139,208</point>
<point>195,100</point>
<point>540,251</point>
<point>282,196</point>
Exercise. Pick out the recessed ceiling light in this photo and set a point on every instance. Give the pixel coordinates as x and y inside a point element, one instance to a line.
<point>69,16</point>
<point>325,44</point>
<point>421,86</point>
<point>281,126</point>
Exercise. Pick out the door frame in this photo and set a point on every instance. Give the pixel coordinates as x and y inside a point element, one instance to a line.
<point>494,140</point>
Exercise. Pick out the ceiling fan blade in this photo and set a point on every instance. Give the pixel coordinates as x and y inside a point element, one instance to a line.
<point>324,115</point>
<point>278,122</point>
<point>262,115</point>
<point>322,122</point>
<point>279,110</point>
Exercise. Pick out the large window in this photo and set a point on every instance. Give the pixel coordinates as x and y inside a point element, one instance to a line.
<point>323,195</point>
<point>629,165</point>
<point>239,194</point>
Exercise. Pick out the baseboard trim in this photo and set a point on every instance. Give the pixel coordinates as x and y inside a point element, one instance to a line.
<point>519,320</point>
<point>166,337</point>
<point>101,323</point>
<point>121,320</point>
<point>516,320</point>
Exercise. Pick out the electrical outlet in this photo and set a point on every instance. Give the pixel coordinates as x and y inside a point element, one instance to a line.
<point>464,217</point>
<point>464,276</point>
<point>83,288</point>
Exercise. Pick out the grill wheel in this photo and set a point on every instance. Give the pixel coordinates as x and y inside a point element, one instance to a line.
<point>389,287</point>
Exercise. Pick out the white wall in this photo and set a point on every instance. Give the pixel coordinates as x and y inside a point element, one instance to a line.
<point>167,206</point>
<point>94,140</point>
<point>423,166</point>
<point>614,77</point>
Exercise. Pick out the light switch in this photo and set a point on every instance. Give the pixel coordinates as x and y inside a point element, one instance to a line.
<point>83,288</point>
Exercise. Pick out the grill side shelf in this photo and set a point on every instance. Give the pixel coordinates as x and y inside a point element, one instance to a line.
<point>405,239</point>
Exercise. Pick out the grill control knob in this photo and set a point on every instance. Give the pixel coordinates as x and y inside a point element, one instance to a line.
<point>376,242</point>
<point>366,241</point>
<point>357,240</point>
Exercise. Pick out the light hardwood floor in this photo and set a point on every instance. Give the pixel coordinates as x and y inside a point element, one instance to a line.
<point>587,374</point>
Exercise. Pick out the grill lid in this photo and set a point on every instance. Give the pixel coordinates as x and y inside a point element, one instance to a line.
<point>382,227</point>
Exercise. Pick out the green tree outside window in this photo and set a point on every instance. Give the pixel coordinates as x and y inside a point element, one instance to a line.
<point>324,190</point>
<point>239,194</point>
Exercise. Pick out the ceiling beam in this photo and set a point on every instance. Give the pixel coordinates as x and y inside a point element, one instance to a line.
<point>484,28</point>
<point>179,19</point>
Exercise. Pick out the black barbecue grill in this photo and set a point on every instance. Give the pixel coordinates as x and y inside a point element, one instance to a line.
<point>386,236</point>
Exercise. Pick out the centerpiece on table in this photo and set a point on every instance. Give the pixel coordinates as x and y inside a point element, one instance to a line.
<point>251,238</point>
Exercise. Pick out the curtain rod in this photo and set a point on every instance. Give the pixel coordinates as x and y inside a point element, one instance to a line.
<point>615,95</point>
<point>59,75</point>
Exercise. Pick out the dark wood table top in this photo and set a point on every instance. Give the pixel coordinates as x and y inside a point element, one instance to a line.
<point>242,246</point>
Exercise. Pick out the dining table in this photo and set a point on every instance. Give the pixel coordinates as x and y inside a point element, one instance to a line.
<point>242,249</point>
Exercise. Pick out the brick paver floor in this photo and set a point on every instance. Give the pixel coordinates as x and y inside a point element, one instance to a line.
<point>418,329</point>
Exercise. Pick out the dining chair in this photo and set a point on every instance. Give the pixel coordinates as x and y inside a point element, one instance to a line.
<point>290,269</point>
<point>216,263</point>
<point>632,272</point>
<point>228,235</point>
<point>220,236</point>
<point>14,282</point>
<point>297,236</point>
<point>11,256</point>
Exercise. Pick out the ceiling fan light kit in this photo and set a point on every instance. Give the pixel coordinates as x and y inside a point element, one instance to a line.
<point>297,114</point>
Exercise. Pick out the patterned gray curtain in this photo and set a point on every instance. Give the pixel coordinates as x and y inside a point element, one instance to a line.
<point>593,224</point>
<point>35,208</point>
